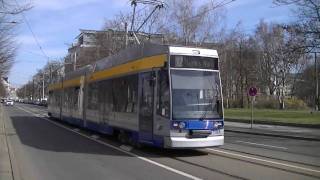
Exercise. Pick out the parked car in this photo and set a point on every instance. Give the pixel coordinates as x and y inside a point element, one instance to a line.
<point>36,102</point>
<point>44,103</point>
<point>9,103</point>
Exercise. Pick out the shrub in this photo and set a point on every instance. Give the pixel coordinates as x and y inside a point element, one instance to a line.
<point>266,103</point>
<point>270,102</point>
<point>296,104</point>
<point>234,103</point>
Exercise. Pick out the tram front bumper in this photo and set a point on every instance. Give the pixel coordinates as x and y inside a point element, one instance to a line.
<point>183,142</point>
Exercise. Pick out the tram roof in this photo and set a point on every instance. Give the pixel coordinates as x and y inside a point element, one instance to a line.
<point>133,53</point>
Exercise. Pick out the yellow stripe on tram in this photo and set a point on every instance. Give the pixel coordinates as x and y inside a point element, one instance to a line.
<point>55,86</point>
<point>138,65</point>
<point>135,66</point>
<point>71,82</point>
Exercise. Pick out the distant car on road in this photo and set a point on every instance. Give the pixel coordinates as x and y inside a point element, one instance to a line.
<point>9,103</point>
<point>36,102</point>
<point>44,103</point>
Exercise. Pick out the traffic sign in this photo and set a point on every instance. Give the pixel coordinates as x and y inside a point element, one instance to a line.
<point>252,91</point>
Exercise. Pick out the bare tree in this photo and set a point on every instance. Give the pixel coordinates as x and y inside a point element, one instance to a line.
<point>118,22</point>
<point>305,85</point>
<point>307,23</point>
<point>277,58</point>
<point>192,22</point>
<point>182,21</point>
<point>238,57</point>
<point>7,46</point>
<point>33,89</point>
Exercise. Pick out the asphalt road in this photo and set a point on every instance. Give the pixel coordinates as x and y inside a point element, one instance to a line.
<point>46,149</point>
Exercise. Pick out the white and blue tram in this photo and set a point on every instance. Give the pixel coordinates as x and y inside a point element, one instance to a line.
<point>165,96</point>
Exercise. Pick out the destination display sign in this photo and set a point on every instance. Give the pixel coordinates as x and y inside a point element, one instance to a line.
<point>197,62</point>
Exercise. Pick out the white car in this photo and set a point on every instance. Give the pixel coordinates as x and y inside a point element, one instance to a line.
<point>9,103</point>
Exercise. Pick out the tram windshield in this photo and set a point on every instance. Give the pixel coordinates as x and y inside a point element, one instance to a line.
<point>195,94</point>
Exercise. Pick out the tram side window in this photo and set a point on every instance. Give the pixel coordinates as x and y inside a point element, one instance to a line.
<point>69,98</point>
<point>93,96</point>
<point>118,94</point>
<point>66,98</point>
<point>106,90</point>
<point>163,103</point>
<point>75,95</point>
<point>132,91</point>
<point>58,96</point>
<point>55,99</point>
<point>51,98</point>
<point>125,93</point>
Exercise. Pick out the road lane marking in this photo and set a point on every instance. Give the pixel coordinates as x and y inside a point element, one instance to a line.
<point>264,160</point>
<point>117,148</point>
<point>93,136</point>
<point>265,145</point>
<point>126,148</point>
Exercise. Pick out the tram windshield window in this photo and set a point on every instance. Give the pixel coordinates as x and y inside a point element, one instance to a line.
<point>195,94</point>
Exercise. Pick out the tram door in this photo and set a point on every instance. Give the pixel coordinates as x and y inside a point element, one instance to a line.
<point>146,105</point>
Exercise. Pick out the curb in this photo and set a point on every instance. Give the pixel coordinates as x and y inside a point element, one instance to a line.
<point>9,171</point>
<point>274,135</point>
<point>246,121</point>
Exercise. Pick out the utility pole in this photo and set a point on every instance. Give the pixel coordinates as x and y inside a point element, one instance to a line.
<point>43,86</point>
<point>25,91</point>
<point>241,76</point>
<point>126,29</point>
<point>75,61</point>
<point>32,97</point>
<point>50,69</point>
<point>317,83</point>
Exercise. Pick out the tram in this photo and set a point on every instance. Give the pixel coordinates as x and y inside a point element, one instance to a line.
<point>158,95</point>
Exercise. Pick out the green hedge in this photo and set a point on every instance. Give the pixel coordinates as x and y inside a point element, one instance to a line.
<point>269,102</point>
<point>295,104</point>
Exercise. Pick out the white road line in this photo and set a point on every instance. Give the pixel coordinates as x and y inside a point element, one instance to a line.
<point>119,149</point>
<point>93,136</point>
<point>126,148</point>
<point>265,145</point>
<point>264,160</point>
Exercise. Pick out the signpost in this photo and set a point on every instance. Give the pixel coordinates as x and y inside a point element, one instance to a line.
<point>252,92</point>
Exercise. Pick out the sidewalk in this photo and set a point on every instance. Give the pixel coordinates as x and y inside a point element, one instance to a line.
<point>274,130</point>
<point>5,163</point>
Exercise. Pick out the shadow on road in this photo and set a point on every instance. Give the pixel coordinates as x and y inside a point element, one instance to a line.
<point>37,133</point>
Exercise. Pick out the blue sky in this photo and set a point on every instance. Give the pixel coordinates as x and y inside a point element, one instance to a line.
<point>56,23</point>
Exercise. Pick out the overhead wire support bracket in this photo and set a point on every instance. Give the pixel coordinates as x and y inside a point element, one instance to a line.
<point>134,4</point>
<point>158,5</point>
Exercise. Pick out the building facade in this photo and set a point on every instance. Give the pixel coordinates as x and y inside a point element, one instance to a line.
<point>91,45</point>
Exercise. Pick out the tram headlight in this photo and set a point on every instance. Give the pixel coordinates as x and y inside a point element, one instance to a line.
<point>217,125</point>
<point>175,125</point>
<point>182,125</point>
